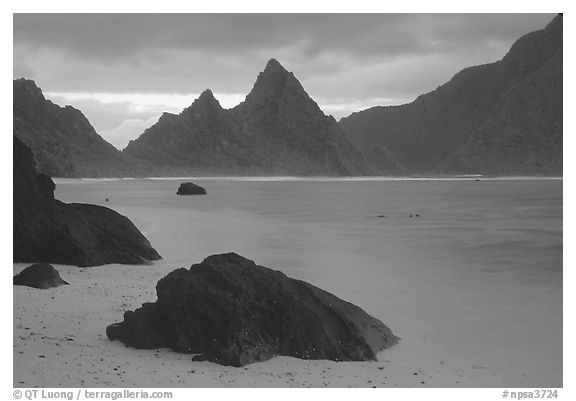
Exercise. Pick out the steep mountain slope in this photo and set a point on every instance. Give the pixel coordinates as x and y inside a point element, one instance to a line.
<point>62,140</point>
<point>278,129</point>
<point>499,118</point>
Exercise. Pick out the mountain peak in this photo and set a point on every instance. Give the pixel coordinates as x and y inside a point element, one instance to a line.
<point>207,94</point>
<point>451,130</point>
<point>53,133</point>
<point>23,82</point>
<point>273,66</point>
<point>205,99</point>
<point>556,23</point>
<point>277,130</point>
<point>27,87</point>
<point>272,84</point>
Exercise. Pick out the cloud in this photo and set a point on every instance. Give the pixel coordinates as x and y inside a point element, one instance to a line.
<point>127,130</point>
<point>120,67</point>
<point>341,107</point>
<point>118,37</point>
<point>145,102</point>
<point>187,53</point>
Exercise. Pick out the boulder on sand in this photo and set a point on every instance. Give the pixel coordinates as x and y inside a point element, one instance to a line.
<point>189,188</point>
<point>231,311</point>
<point>39,275</point>
<point>49,231</point>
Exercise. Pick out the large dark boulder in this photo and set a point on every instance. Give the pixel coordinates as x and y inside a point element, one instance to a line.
<point>231,311</point>
<point>39,275</point>
<point>46,185</point>
<point>189,188</point>
<point>47,230</point>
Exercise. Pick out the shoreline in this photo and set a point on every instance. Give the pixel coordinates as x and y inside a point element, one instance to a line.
<point>64,180</point>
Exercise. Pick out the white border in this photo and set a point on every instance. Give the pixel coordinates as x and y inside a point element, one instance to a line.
<point>355,6</point>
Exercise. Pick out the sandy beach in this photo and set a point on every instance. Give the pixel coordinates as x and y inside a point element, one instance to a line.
<point>60,342</point>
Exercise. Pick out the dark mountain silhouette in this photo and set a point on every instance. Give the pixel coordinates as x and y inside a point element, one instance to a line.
<point>278,129</point>
<point>499,118</point>
<point>62,140</point>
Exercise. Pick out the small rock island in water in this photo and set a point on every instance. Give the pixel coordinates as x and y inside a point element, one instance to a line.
<point>231,311</point>
<point>189,188</point>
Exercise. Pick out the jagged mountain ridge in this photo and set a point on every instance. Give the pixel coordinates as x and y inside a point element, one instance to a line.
<point>277,130</point>
<point>62,140</point>
<point>498,118</point>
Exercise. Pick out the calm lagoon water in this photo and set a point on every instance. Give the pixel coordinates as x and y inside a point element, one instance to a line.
<point>475,280</point>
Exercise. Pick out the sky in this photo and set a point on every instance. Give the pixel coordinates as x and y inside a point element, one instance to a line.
<point>124,70</point>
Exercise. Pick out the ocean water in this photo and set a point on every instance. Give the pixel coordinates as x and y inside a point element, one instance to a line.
<point>474,283</point>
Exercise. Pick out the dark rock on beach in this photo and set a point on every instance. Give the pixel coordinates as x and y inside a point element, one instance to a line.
<point>189,188</point>
<point>39,275</point>
<point>46,185</point>
<point>47,230</point>
<point>231,311</point>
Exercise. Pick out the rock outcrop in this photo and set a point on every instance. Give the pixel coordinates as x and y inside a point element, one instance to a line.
<point>62,140</point>
<point>231,311</point>
<point>47,230</point>
<point>277,130</point>
<point>189,188</point>
<point>39,275</point>
<point>498,118</point>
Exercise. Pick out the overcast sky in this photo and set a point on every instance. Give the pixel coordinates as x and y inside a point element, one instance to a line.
<point>124,70</point>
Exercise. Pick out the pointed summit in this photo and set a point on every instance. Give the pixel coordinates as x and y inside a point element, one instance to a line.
<point>207,94</point>
<point>205,103</point>
<point>272,85</point>
<point>274,67</point>
<point>207,98</point>
<point>274,74</point>
<point>556,24</point>
<point>63,141</point>
<point>556,20</point>
<point>27,89</point>
<point>277,130</point>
